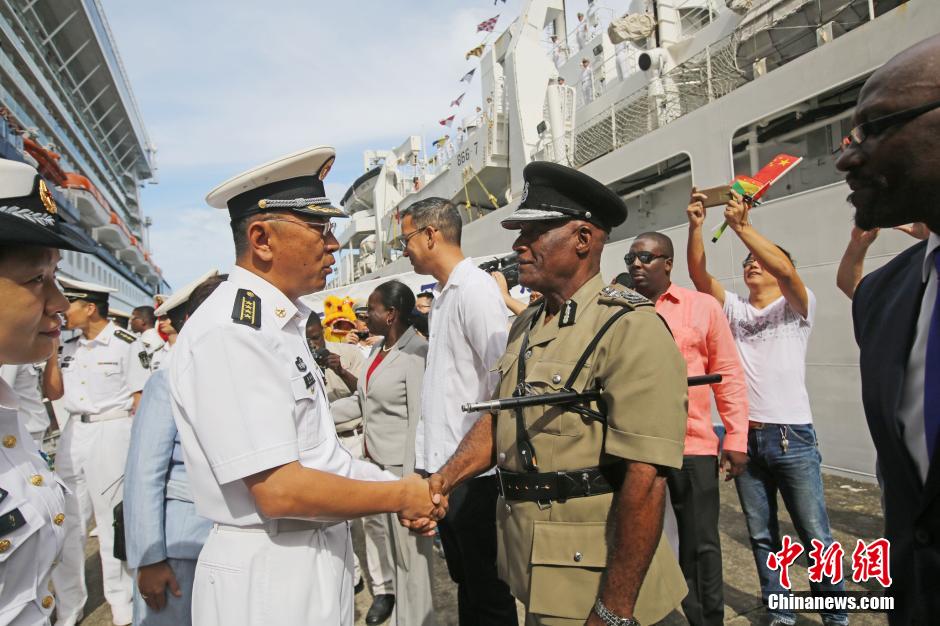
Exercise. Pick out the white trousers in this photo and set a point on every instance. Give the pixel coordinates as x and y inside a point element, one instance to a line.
<point>90,459</point>
<point>246,577</point>
<point>378,546</point>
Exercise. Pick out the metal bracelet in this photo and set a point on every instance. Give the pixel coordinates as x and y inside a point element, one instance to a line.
<point>610,618</point>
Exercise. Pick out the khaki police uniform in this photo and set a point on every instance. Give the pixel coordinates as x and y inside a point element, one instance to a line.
<point>552,557</point>
<point>559,467</point>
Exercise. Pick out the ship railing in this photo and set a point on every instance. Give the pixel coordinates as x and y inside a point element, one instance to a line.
<point>707,76</point>
<point>694,15</point>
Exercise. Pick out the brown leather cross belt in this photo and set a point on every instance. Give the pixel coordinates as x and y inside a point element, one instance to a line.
<point>559,486</point>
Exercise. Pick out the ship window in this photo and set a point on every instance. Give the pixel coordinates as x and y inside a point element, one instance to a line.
<point>656,196</point>
<point>812,129</point>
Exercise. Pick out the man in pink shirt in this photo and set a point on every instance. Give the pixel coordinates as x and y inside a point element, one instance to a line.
<point>704,337</point>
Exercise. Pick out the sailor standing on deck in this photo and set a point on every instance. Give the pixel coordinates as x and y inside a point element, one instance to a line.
<point>32,500</point>
<point>258,439</point>
<point>103,372</point>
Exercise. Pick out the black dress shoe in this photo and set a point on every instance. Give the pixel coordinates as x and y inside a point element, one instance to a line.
<point>360,585</point>
<point>381,609</point>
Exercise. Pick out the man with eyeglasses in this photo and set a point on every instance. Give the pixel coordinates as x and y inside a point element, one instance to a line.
<point>771,328</point>
<point>704,338</point>
<point>892,165</point>
<point>467,335</point>
<point>582,486</point>
<point>261,450</point>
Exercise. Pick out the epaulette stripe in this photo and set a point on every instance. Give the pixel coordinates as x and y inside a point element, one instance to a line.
<point>247,309</point>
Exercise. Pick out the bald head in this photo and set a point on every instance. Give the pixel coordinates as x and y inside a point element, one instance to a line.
<point>895,170</point>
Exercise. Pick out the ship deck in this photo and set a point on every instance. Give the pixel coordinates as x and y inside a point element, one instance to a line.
<point>854,512</point>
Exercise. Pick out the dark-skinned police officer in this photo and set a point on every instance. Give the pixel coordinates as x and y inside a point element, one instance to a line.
<point>580,513</point>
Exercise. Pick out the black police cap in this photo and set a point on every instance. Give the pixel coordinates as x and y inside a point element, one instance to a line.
<point>554,192</point>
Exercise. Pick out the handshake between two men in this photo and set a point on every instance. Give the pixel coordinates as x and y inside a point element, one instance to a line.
<point>424,503</point>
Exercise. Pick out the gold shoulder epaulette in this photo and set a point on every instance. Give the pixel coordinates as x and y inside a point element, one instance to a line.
<point>623,297</point>
<point>247,309</point>
<point>123,335</point>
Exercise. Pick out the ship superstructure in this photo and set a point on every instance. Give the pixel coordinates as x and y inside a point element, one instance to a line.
<point>68,109</point>
<point>707,90</point>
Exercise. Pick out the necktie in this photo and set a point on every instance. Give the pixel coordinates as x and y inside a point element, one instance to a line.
<point>932,372</point>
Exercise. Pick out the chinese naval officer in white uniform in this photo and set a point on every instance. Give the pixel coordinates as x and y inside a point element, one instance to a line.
<point>258,439</point>
<point>104,371</point>
<point>32,499</point>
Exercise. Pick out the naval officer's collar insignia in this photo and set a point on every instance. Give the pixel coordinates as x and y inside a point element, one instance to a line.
<point>280,311</point>
<point>247,309</point>
<point>124,336</point>
<point>568,312</point>
<point>300,364</point>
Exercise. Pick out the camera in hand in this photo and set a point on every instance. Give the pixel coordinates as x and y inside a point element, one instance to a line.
<point>507,265</point>
<point>320,357</point>
<point>362,334</point>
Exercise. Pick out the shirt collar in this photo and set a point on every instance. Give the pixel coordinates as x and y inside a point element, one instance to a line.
<point>456,276</point>
<point>672,293</point>
<point>933,242</point>
<point>104,337</point>
<point>274,304</point>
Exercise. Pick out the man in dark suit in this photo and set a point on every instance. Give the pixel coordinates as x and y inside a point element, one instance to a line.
<point>892,161</point>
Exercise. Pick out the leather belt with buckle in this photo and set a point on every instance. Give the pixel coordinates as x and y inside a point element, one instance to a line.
<point>559,486</point>
<point>757,425</point>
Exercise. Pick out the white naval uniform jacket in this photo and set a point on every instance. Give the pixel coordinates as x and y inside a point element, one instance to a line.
<point>101,375</point>
<point>32,502</point>
<point>247,397</point>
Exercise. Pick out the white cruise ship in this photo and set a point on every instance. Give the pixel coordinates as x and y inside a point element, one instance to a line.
<point>68,110</point>
<point>713,89</point>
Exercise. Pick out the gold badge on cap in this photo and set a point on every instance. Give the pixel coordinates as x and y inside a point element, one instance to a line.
<point>326,167</point>
<point>47,200</point>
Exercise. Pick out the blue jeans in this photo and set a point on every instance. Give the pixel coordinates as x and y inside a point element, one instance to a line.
<point>795,473</point>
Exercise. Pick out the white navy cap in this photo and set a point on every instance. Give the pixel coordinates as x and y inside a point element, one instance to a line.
<point>291,183</point>
<point>29,214</point>
<point>80,290</point>
<point>181,296</point>
<point>115,312</point>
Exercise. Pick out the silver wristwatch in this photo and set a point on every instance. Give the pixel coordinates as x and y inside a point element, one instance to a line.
<point>610,618</point>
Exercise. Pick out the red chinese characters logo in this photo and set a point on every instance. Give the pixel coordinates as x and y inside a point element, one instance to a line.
<point>872,561</point>
<point>782,560</point>
<point>825,561</point>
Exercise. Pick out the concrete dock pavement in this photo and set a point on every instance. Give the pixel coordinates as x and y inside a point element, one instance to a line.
<point>854,512</point>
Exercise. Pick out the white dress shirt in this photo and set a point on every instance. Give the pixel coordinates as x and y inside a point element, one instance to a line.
<point>468,326</point>
<point>911,410</point>
<point>26,383</point>
<point>249,399</point>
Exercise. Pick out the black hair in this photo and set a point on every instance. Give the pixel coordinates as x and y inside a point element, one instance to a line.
<point>425,294</point>
<point>178,315</point>
<point>439,213</point>
<point>240,231</point>
<point>314,319</point>
<point>102,308</point>
<point>624,278</point>
<point>789,256</point>
<point>146,314</point>
<point>664,242</point>
<point>396,295</point>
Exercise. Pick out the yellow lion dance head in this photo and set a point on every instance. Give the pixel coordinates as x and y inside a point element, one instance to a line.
<point>339,318</point>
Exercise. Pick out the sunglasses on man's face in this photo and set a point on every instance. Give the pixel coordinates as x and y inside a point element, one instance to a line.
<point>645,257</point>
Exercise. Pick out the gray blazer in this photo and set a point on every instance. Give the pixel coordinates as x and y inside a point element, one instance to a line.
<point>390,405</point>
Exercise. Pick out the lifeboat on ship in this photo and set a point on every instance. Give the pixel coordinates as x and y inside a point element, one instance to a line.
<point>114,235</point>
<point>93,209</point>
<point>47,162</point>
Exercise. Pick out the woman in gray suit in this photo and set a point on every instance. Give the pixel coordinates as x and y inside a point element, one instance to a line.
<point>388,398</point>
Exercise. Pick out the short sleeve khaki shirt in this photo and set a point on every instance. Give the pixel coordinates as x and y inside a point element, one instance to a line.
<point>553,557</point>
